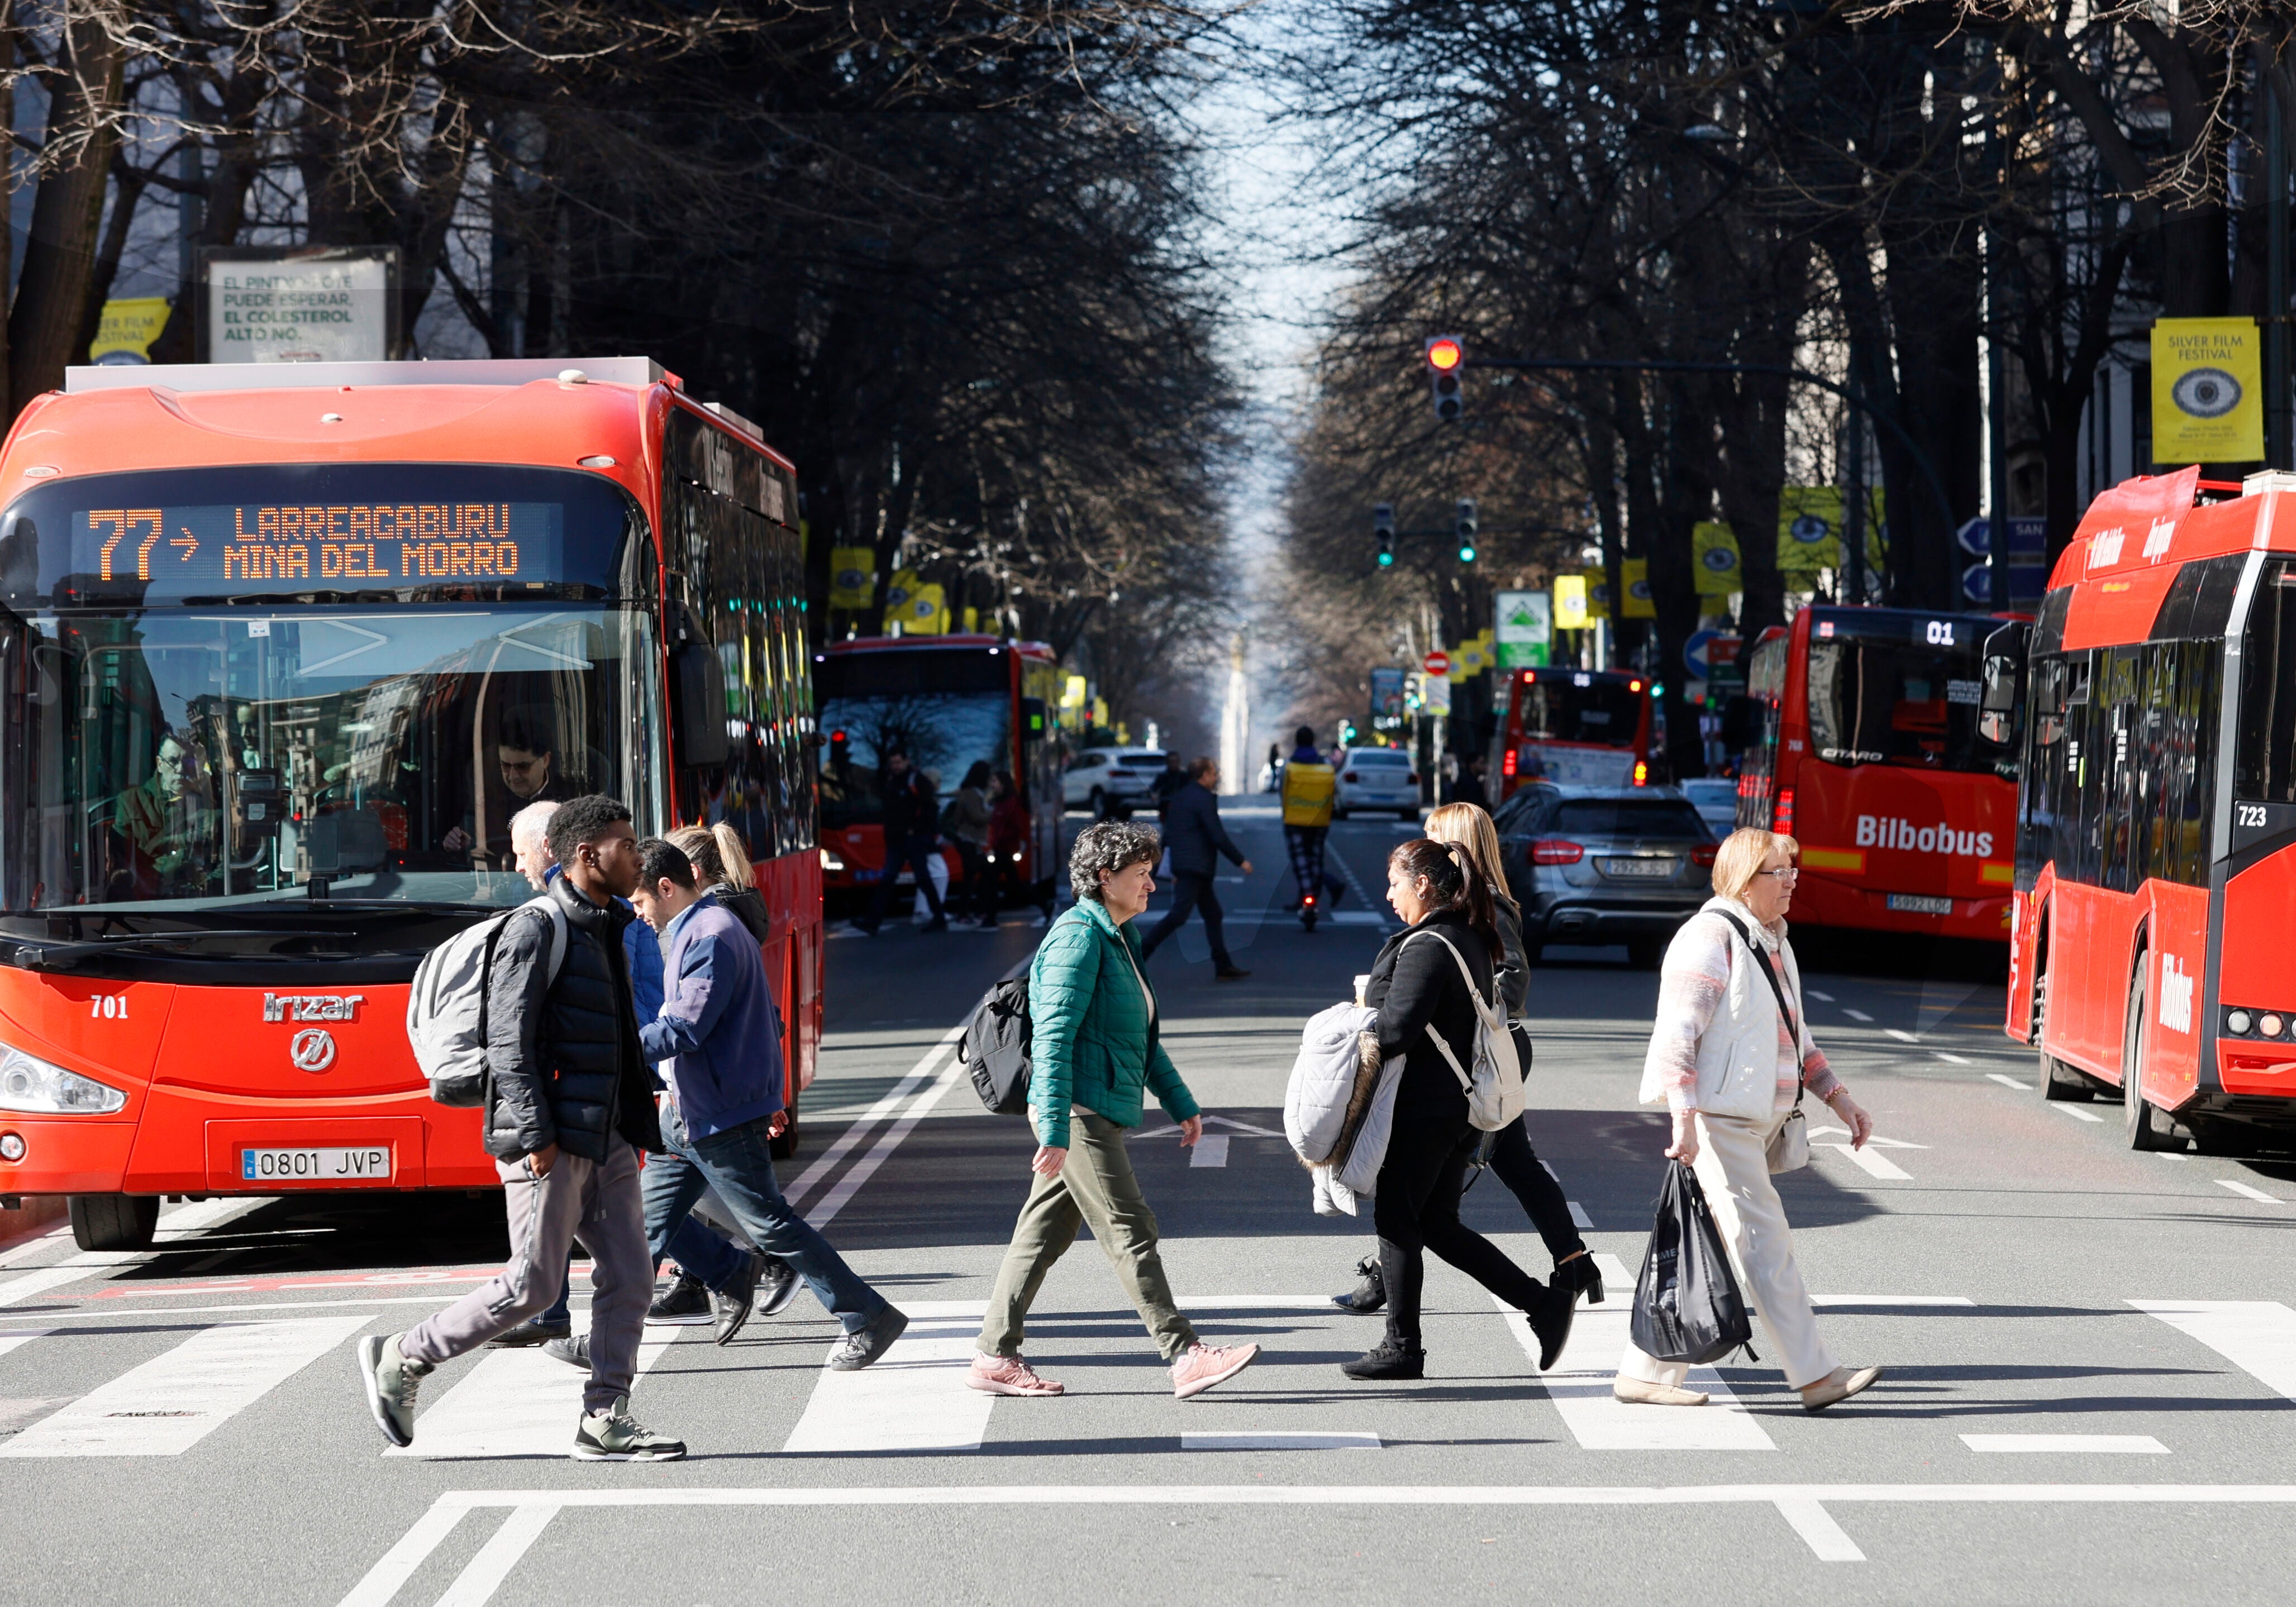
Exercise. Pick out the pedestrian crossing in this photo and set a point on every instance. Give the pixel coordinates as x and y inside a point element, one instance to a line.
<point>522,1403</point>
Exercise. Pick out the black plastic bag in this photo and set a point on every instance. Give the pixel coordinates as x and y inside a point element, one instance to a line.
<point>1687,1307</point>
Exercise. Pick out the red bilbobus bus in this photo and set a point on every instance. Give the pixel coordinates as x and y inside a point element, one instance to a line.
<point>1574,727</point>
<point>949,703</point>
<point>1871,754</point>
<point>285,647</point>
<point>2156,850</point>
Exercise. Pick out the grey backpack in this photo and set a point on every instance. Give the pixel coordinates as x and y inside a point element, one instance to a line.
<point>447,1009</point>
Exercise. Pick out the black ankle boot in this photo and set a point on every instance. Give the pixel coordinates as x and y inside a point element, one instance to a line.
<point>1550,1320</point>
<point>1390,1359</point>
<point>1367,1296</point>
<point>1583,1275</point>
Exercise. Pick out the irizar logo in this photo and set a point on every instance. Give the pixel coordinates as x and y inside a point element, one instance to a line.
<point>2157,539</point>
<point>1891,832</point>
<point>2176,994</point>
<point>2104,547</point>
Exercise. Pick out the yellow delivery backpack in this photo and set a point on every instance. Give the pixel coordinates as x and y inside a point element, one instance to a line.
<point>1307,791</point>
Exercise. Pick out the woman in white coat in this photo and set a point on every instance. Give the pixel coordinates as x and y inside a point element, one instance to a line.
<point>1726,1062</point>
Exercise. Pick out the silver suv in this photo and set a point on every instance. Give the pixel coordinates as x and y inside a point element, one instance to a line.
<point>1606,865</point>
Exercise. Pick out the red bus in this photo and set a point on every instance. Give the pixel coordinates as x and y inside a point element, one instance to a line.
<point>1871,752</point>
<point>1574,727</point>
<point>2156,850</point>
<point>949,703</point>
<point>285,647</point>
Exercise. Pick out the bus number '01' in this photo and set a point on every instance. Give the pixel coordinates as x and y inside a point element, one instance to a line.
<point>108,1006</point>
<point>1940,633</point>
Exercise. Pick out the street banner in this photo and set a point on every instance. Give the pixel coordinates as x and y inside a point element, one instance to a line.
<point>324,304</point>
<point>899,589</point>
<point>1570,602</point>
<point>1073,691</point>
<point>1634,573</point>
<point>1471,659</point>
<point>852,577</point>
<point>1714,548</point>
<point>1525,631</point>
<point>925,611</point>
<point>1387,710</point>
<point>1809,528</point>
<point>2207,391</point>
<point>125,331</point>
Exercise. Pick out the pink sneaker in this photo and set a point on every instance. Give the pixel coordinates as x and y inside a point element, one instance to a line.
<point>1205,1365</point>
<point>1007,1375</point>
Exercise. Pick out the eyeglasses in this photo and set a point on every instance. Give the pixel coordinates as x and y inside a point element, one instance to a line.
<point>1784,872</point>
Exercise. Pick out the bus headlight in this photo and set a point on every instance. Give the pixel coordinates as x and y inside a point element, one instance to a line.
<point>830,862</point>
<point>30,1084</point>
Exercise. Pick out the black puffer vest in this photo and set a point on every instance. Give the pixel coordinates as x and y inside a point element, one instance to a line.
<point>588,1044</point>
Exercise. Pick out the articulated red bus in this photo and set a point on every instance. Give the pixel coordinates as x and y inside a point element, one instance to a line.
<point>949,703</point>
<point>1872,753</point>
<point>2156,851</point>
<point>285,647</point>
<point>1575,727</point>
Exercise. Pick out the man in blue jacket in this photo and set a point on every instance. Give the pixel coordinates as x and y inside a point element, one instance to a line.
<point>717,1041</point>
<point>1193,833</point>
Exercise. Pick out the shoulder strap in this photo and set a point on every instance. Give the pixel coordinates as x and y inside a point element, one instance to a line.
<point>558,938</point>
<point>1482,1014</point>
<point>1770,975</point>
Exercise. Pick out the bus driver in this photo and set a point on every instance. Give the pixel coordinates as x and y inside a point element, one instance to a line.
<point>168,818</point>
<point>524,752</point>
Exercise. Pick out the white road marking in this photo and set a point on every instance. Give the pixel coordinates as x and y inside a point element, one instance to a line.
<point>515,1403</point>
<point>175,1400</point>
<point>2007,1081</point>
<point>1953,1060</point>
<point>1902,1036</point>
<point>33,1246</point>
<point>1578,1217</point>
<point>1856,1016</point>
<point>821,1212</point>
<point>398,1565</point>
<point>1579,1386</point>
<point>1822,998</point>
<point>2101,1445</point>
<point>9,1341</point>
<point>914,1398</point>
<point>1872,1161</point>
<point>2258,1337</point>
<point>145,1313</point>
<point>818,1172</point>
<point>1827,1540</point>
<point>484,1573</point>
<point>1210,1120</point>
<point>1551,1172</point>
<point>1210,1150</point>
<point>2078,1112</point>
<point>2249,1191</point>
<point>24,1285</point>
<point>1270,1441</point>
<point>1890,1300</point>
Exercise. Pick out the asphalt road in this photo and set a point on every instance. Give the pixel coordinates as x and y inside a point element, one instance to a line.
<point>2091,1354</point>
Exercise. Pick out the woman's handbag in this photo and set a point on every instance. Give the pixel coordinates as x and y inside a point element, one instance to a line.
<point>1789,1146</point>
<point>1687,1307</point>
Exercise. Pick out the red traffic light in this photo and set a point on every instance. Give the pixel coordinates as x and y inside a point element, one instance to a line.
<point>1444,353</point>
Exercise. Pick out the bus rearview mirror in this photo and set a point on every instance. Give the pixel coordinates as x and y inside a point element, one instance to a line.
<point>698,691</point>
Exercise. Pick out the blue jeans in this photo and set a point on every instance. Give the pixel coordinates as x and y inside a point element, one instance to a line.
<point>738,1164</point>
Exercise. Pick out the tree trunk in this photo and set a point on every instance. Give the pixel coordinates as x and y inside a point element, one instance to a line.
<point>51,292</point>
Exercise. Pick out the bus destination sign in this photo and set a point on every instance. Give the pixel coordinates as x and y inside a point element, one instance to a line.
<point>354,546</point>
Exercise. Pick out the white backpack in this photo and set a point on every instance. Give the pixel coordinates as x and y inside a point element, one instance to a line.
<point>447,1009</point>
<point>1494,1089</point>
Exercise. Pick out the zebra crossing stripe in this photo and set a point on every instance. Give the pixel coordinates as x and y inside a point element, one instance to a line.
<point>911,1398</point>
<point>2258,1337</point>
<point>515,1403</point>
<point>175,1400</point>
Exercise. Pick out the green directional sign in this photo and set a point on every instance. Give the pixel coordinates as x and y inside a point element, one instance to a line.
<point>1524,630</point>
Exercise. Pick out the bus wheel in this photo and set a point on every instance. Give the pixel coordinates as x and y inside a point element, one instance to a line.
<point>2058,1080</point>
<point>114,1221</point>
<point>2149,1127</point>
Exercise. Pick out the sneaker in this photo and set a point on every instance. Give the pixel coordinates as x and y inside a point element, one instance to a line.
<point>1390,1359</point>
<point>864,1344</point>
<point>729,1307</point>
<point>1205,1365</point>
<point>777,1288</point>
<point>684,1304</point>
<point>615,1436</point>
<point>574,1350</point>
<point>1367,1296</point>
<point>1007,1375</point>
<point>1230,973</point>
<point>534,1331</point>
<point>392,1382</point>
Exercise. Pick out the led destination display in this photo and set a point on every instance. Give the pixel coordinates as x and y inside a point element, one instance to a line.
<point>226,547</point>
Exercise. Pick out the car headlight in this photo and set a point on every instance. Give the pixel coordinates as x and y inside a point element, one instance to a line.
<point>830,862</point>
<point>30,1084</point>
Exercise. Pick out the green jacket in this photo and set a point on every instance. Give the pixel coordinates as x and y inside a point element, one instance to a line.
<point>1093,1042</point>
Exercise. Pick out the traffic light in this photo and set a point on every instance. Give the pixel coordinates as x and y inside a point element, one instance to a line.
<point>1464,525</point>
<point>1382,530</point>
<point>1446,355</point>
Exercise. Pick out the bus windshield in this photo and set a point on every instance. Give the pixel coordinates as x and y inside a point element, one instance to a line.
<point>1901,689</point>
<point>180,760</point>
<point>1580,708</point>
<point>947,710</point>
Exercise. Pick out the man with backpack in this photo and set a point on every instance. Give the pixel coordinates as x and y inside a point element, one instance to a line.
<point>911,828</point>
<point>569,1106</point>
<point>1311,785</point>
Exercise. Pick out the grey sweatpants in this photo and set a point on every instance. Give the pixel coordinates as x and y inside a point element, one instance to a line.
<point>595,1201</point>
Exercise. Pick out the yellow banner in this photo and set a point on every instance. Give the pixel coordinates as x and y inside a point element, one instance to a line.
<point>852,577</point>
<point>899,589</point>
<point>2207,391</point>
<point>925,611</point>
<point>1713,554</point>
<point>1569,603</point>
<point>1469,659</point>
<point>1810,528</point>
<point>1634,574</point>
<point>125,331</point>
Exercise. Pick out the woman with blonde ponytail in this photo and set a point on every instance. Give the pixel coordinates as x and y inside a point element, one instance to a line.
<point>721,863</point>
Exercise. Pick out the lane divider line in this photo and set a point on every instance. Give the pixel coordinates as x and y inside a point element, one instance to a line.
<point>2250,1192</point>
<point>2007,1081</point>
<point>2078,1112</point>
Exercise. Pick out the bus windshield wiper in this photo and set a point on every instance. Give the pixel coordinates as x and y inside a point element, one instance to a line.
<point>34,955</point>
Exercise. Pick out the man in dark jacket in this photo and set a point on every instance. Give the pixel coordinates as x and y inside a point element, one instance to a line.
<point>1193,833</point>
<point>719,1039</point>
<point>912,827</point>
<point>569,1108</point>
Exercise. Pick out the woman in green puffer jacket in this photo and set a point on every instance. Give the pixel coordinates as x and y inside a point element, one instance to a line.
<point>1095,1056</point>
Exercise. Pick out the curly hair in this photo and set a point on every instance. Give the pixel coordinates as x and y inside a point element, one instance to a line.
<point>1107,848</point>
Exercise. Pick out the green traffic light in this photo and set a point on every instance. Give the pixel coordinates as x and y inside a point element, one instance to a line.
<point>1466,552</point>
<point>1387,560</point>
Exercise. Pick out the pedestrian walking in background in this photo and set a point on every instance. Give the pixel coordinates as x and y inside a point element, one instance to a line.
<point>1726,1062</point>
<point>1008,847</point>
<point>1508,1152</point>
<point>719,1039</point>
<point>1310,787</point>
<point>1167,786</point>
<point>1417,986</point>
<point>912,829</point>
<point>1197,839</point>
<point>966,822</point>
<point>569,1107</point>
<point>1468,788</point>
<point>1095,1056</point>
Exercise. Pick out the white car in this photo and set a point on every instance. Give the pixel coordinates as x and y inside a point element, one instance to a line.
<point>1377,778</point>
<point>1111,780</point>
<point>1715,799</point>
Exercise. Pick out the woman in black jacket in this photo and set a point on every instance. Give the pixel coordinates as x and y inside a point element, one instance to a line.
<point>1417,988</point>
<point>724,866</point>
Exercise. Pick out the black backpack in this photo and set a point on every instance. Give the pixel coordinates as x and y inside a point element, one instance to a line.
<point>994,1048</point>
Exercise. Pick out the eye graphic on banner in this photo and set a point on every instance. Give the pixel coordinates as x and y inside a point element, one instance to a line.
<point>1714,546</point>
<point>1569,603</point>
<point>1634,574</point>
<point>852,577</point>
